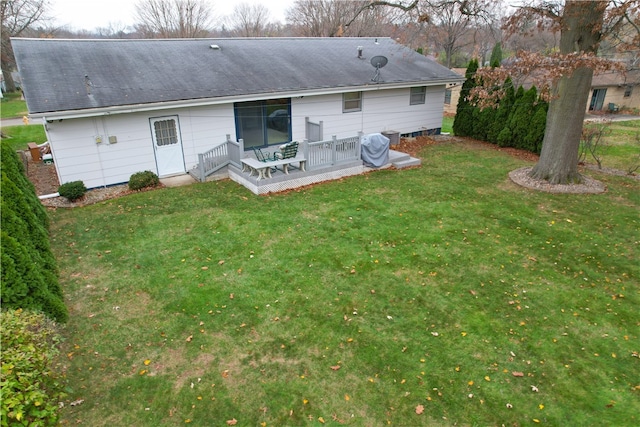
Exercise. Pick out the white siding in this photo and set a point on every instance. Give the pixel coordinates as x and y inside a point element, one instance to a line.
<point>78,157</point>
<point>381,110</point>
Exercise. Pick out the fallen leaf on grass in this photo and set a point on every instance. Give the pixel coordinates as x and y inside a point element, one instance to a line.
<point>336,367</point>
<point>517,374</point>
<point>419,409</point>
<point>189,338</point>
<point>77,402</point>
<point>232,422</point>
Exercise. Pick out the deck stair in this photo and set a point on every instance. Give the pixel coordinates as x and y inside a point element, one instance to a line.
<point>401,160</point>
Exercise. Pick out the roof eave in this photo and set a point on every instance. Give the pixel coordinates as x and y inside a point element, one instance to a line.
<point>188,103</point>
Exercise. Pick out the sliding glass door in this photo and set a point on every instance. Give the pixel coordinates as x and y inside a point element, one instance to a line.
<point>263,123</point>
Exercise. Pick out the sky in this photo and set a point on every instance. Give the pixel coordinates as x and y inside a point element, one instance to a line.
<point>88,15</point>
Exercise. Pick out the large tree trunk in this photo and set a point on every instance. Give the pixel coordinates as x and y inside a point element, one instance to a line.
<point>558,164</point>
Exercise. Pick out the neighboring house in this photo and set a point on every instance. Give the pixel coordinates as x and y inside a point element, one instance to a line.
<point>452,93</point>
<point>115,107</point>
<point>614,91</point>
<point>611,91</point>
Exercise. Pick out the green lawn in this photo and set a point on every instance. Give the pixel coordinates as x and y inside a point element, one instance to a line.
<point>19,136</point>
<point>621,146</point>
<point>444,290</point>
<point>12,106</point>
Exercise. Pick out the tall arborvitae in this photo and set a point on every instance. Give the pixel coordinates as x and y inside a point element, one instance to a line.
<point>496,55</point>
<point>29,274</point>
<point>463,123</point>
<point>535,136</point>
<point>502,112</point>
<point>505,137</point>
<point>521,116</point>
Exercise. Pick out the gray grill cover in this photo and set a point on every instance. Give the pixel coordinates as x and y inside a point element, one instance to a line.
<point>375,150</point>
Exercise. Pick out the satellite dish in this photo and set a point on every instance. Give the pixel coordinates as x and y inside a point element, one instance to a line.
<point>378,62</point>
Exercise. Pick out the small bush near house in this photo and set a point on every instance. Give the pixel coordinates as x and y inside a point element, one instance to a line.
<point>30,388</point>
<point>140,180</point>
<point>72,190</point>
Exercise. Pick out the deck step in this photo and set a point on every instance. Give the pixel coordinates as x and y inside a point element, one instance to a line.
<point>406,163</point>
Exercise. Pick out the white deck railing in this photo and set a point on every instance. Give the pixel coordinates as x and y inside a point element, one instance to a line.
<point>229,152</point>
<point>318,154</point>
<point>332,152</point>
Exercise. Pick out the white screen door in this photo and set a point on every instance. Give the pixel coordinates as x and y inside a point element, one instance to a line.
<point>167,145</point>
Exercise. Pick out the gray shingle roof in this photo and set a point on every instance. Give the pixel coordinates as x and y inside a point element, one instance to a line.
<point>64,75</point>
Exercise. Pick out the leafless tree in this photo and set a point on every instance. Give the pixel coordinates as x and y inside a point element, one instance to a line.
<point>173,18</point>
<point>333,18</point>
<point>18,17</point>
<point>114,30</point>
<point>250,20</point>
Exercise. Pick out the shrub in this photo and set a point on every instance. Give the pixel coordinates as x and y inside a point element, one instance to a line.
<point>29,273</point>
<point>72,190</point>
<point>14,169</point>
<point>30,388</point>
<point>140,180</point>
<point>463,123</point>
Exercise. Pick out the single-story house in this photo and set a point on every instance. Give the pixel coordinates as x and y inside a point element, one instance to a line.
<point>115,107</point>
<point>613,91</point>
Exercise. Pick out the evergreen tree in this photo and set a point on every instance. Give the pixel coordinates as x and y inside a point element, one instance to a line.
<point>537,126</point>
<point>496,55</point>
<point>520,120</point>
<point>28,274</point>
<point>463,122</point>
<point>502,112</point>
<point>505,137</point>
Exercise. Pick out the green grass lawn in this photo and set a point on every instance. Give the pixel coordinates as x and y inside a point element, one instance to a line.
<point>442,295</point>
<point>621,148</point>
<point>12,106</point>
<point>19,136</point>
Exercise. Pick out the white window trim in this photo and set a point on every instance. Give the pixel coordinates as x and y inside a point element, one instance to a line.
<point>418,95</point>
<point>344,103</point>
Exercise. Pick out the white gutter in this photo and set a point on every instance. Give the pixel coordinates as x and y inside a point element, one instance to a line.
<point>167,105</point>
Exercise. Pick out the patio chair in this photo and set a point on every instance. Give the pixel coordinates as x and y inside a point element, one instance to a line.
<point>263,156</point>
<point>287,151</point>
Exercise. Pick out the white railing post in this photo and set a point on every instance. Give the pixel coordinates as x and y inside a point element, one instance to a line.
<point>334,149</point>
<point>201,173</point>
<point>359,145</point>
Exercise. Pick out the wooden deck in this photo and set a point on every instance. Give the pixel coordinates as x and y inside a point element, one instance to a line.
<point>325,161</point>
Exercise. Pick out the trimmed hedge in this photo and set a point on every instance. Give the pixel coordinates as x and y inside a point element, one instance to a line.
<point>30,388</point>
<point>28,273</point>
<point>140,180</point>
<point>519,119</point>
<point>73,190</point>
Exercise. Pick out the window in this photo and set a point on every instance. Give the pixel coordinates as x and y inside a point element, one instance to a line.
<point>447,96</point>
<point>263,123</point>
<point>166,133</point>
<point>418,95</point>
<point>351,101</point>
<point>628,90</point>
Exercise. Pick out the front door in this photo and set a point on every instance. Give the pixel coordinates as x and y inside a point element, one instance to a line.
<point>167,145</point>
